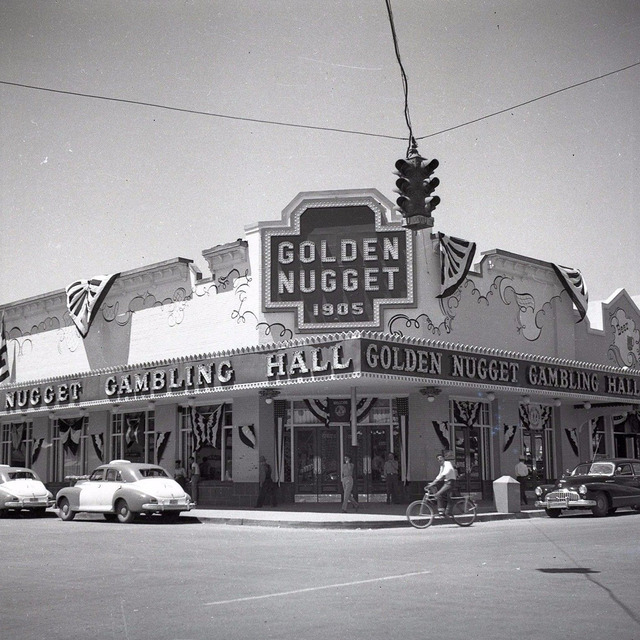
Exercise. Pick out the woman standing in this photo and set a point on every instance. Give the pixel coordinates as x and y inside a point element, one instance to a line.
<point>347,484</point>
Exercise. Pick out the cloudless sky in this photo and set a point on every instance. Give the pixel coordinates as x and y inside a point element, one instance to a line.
<point>92,187</point>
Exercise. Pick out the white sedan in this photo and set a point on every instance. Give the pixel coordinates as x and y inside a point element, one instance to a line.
<point>121,490</point>
<point>22,489</point>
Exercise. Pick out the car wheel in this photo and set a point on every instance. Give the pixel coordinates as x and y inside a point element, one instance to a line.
<point>602,505</point>
<point>64,510</point>
<point>612,511</point>
<point>553,513</point>
<point>123,513</point>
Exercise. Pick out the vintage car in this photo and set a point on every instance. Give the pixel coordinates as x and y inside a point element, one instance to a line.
<point>122,490</point>
<point>601,485</point>
<point>22,489</point>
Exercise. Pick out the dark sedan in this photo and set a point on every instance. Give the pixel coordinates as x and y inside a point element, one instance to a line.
<point>601,485</point>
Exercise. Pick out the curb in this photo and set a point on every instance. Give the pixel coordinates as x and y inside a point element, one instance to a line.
<point>398,522</point>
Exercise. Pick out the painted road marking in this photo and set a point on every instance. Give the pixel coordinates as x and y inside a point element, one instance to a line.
<point>310,589</point>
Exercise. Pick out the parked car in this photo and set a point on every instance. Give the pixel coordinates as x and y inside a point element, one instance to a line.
<point>122,490</point>
<point>601,485</point>
<point>22,489</point>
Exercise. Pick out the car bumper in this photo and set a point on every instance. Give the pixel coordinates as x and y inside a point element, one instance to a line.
<point>166,507</point>
<point>28,503</point>
<point>566,504</point>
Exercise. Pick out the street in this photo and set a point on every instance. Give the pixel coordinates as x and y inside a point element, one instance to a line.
<point>573,577</point>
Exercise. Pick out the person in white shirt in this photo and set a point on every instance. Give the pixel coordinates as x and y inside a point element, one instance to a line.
<point>447,477</point>
<point>522,471</point>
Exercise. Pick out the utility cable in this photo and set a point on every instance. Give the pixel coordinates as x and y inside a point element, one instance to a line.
<point>405,82</point>
<point>312,127</point>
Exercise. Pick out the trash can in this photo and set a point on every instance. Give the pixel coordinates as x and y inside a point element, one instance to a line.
<point>506,495</point>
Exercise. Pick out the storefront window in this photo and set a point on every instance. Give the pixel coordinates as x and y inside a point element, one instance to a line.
<point>68,448</point>
<point>598,440</point>
<point>626,435</point>
<point>536,429</point>
<point>17,444</point>
<point>207,432</point>
<point>133,437</point>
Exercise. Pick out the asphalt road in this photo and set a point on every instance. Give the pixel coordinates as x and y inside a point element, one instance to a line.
<point>574,577</point>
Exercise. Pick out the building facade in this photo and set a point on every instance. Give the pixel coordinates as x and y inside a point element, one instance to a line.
<point>329,331</point>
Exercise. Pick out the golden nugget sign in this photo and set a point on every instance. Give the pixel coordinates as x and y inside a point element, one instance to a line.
<point>337,264</point>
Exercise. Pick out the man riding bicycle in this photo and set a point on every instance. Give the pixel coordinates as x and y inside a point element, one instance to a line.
<point>447,476</point>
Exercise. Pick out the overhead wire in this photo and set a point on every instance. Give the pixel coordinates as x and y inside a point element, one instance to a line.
<point>405,82</point>
<point>315,127</point>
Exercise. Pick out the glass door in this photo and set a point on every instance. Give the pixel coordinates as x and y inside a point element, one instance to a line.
<point>373,446</point>
<point>317,460</point>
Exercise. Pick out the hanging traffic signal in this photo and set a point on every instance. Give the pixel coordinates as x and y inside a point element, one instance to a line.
<point>415,186</point>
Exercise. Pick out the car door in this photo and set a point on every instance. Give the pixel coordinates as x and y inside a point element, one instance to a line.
<point>89,498</point>
<point>112,482</point>
<point>626,493</point>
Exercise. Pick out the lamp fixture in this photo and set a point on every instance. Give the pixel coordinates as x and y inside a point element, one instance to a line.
<point>430,392</point>
<point>269,394</point>
<point>526,400</point>
<point>557,402</point>
<point>491,396</point>
<point>587,405</point>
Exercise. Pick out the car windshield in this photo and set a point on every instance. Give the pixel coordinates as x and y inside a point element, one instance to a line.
<point>22,475</point>
<point>154,472</point>
<point>602,469</point>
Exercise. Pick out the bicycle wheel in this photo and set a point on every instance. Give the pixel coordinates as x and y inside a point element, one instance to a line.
<point>419,514</point>
<point>464,512</point>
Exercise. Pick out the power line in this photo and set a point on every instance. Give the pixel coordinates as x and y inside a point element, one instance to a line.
<point>312,127</point>
<point>522,104</point>
<point>405,82</point>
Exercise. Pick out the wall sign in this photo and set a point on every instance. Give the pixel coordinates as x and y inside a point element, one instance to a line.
<point>336,264</point>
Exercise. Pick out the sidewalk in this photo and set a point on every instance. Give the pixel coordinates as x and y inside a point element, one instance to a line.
<point>328,515</point>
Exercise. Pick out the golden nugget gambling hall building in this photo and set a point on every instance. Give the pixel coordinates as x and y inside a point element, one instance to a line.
<point>331,330</point>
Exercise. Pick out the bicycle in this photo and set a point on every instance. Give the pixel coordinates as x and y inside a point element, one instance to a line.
<point>421,513</point>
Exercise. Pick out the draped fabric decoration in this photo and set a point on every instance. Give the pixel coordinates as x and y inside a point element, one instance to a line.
<point>575,286</point>
<point>98,445</point>
<point>18,436</point>
<point>535,417</point>
<point>84,298</point>
<point>572,437</point>
<point>456,258</point>
<point>466,413</point>
<point>37,448</point>
<point>133,427</point>
<point>510,431</point>
<point>324,411</point>
<point>4,354</point>
<point>280,415</point>
<point>443,431</point>
<point>207,427</point>
<point>162,439</point>
<point>248,436</point>
<point>401,406</point>
<point>70,432</point>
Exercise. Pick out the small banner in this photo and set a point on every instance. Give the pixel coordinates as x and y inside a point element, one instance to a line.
<point>247,436</point>
<point>572,437</point>
<point>535,417</point>
<point>84,298</point>
<point>575,286</point>
<point>162,439</point>
<point>456,258</point>
<point>443,431</point>
<point>510,431</point>
<point>98,445</point>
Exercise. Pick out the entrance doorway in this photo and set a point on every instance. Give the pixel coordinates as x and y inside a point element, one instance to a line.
<point>318,451</point>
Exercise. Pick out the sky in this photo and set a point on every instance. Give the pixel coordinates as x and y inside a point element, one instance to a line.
<point>92,186</point>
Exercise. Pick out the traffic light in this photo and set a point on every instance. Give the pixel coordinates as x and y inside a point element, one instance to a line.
<point>415,186</point>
